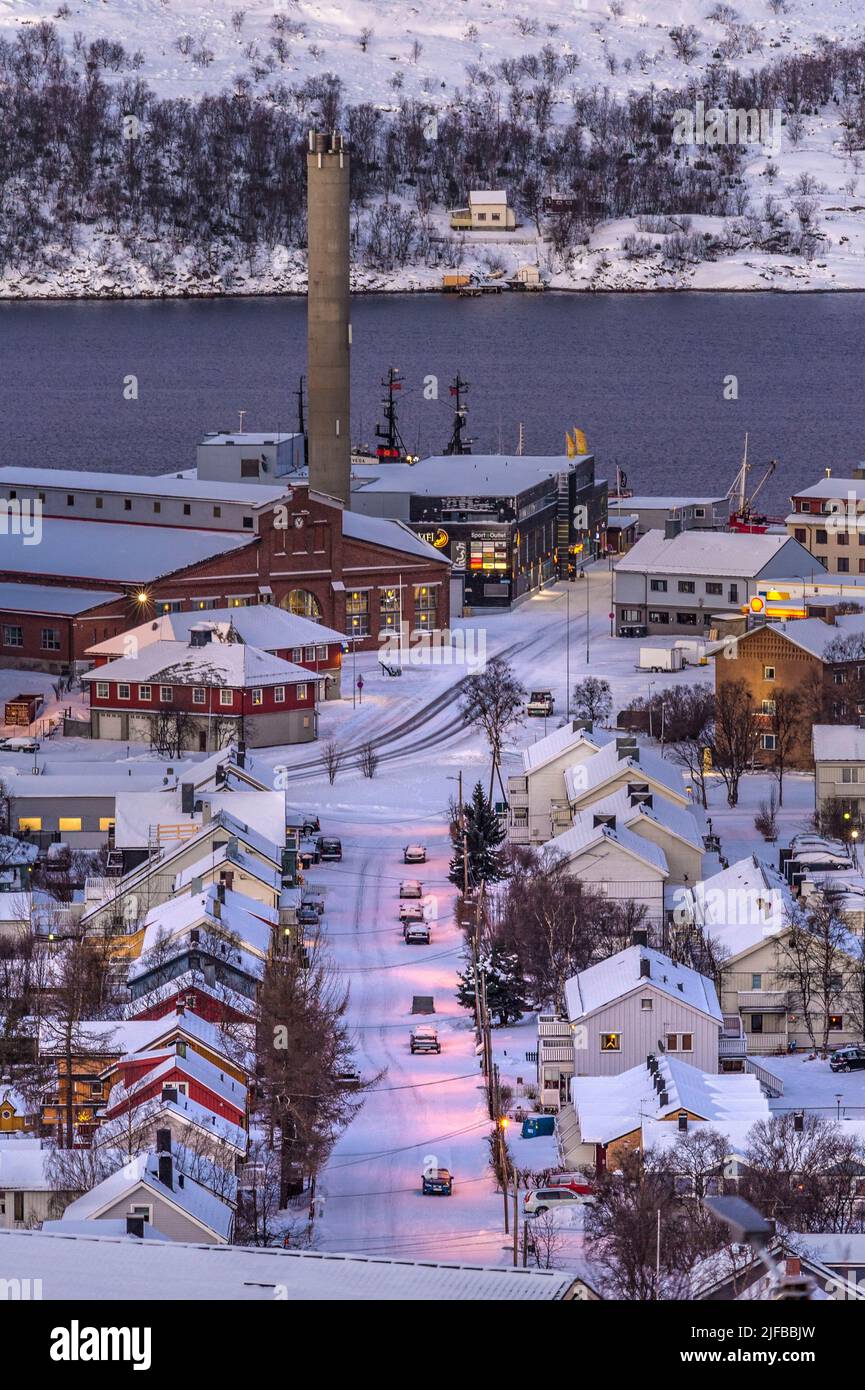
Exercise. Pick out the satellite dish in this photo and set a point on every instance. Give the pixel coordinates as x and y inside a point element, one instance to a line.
<point>661,1047</point>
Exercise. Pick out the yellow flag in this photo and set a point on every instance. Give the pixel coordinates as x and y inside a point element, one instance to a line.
<point>580,445</point>
<point>570,446</point>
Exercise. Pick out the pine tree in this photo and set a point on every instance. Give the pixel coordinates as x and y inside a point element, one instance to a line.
<point>505,985</point>
<point>483,837</point>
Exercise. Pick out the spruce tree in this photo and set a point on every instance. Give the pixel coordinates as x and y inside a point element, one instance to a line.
<point>483,839</point>
<point>505,984</point>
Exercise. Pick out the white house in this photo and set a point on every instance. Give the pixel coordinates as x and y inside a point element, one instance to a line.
<point>639,1002</point>
<point>487,211</point>
<point>623,765</point>
<point>537,797</point>
<point>607,856</point>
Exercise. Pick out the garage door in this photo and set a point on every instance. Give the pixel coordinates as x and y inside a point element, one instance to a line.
<point>110,725</point>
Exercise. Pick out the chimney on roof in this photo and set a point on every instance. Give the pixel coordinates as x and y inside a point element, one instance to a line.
<point>216,908</point>
<point>645,968</point>
<point>163,1141</point>
<point>179,1007</point>
<point>672,528</point>
<point>135,1226</point>
<point>241,755</point>
<point>793,1267</point>
<point>799,1121</point>
<point>220,892</point>
<point>166,1171</point>
<point>663,1098</point>
<point>169,1093</point>
<point>187,798</point>
<point>640,937</point>
<point>200,635</point>
<point>652,1063</point>
<point>683,1124</point>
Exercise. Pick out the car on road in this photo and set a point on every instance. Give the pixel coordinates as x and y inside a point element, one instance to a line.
<point>411,912</point>
<point>541,703</point>
<point>314,901</point>
<point>329,848</point>
<point>19,743</point>
<point>411,888</point>
<point>575,1182</point>
<point>848,1059</point>
<point>414,854</point>
<point>307,915</point>
<point>349,1078</point>
<point>424,1038</point>
<point>541,1199</point>
<point>416,934</point>
<point>437,1182</point>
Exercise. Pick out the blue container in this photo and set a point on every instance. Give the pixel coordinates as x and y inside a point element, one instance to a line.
<point>536,1125</point>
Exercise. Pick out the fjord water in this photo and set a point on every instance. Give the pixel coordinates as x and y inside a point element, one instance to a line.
<point>643,374</point>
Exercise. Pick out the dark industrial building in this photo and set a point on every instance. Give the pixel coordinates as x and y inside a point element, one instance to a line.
<point>508,523</point>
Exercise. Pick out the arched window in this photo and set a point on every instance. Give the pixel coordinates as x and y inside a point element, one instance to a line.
<point>303,604</point>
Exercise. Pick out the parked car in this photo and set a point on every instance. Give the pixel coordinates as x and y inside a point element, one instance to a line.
<point>540,1199</point>
<point>574,1182</point>
<point>414,854</point>
<point>329,848</point>
<point>313,901</point>
<point>307,915</point>
<point>438,1182</point>
<point>848,1059</point>
<point>416,933</point>
<point>411,888</point>
<point>348,1078</point>
<point>19,743</point>
<point>541,703</point>
<point>424,1038</point>
<point>411,912</point>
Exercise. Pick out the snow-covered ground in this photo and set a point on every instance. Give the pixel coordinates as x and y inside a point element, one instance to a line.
<point>434,1105</point>
<point>430,53</point>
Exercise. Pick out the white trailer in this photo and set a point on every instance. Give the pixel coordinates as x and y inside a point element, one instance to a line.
<point>661,659</point>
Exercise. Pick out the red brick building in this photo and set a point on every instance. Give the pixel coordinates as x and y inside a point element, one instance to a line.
<point>357,574</point>
<point>201,696</point>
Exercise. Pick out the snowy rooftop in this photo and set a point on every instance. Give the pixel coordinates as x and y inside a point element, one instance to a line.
<point>833,488</point>
<point>610,1106</point>
<point>838,743</point>
<point>139,484</point>
<point>217,663</point>
<point>678,820</point>
<point>102,1268</point>
<point>605,765</point>
<point>50,598</point>
<point>816,636</point>
<point>544,750</point>
<point>393,535</point>
<point>195,1201</point>
<point>262,625</point>
<point>646,502</point>
<point>247,437</point>
<point>483,196</point>
<point>742,904</point>
<point>24,1166</point>
<point>731,554</point>
<point>585,834</point>
<point>243,918</point>
<point>114,551</point>
<point>466,475</point>
<point>612,979</point>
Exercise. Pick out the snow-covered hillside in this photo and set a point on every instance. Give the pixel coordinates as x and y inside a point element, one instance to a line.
<point>460,55</point>
<point>424,49</point>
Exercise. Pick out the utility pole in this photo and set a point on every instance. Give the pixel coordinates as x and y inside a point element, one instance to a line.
<point>568,654</point>
<point>501,1126</point>
<point>516,1176</point>
<point>586,577</point>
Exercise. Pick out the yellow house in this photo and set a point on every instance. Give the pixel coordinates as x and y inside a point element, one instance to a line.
<point>487,211</point>
<point>13,1112</point>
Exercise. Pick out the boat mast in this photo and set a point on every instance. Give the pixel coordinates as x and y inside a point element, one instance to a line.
<point>393,447</point>
<point>457,444</point>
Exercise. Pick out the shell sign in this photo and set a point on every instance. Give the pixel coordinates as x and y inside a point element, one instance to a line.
<point>757,604</point>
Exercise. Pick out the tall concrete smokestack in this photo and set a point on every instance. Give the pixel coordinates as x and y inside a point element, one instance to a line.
<point>328,330</point>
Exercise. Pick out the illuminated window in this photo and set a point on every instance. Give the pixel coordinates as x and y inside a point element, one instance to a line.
<point>29,822</point>
<point>388,620</point>
<point>425,606</point>
<point>258,697</point>
<point>611,1042</point>
<point>304,604</point>
<point>357,612</point>
<point>106,823</point>
<point>836,1022</point>
<point>69,823</point>
<point>302,691</point>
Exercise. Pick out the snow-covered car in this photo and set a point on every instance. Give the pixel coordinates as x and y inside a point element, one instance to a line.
<point>411,888</point>
<point>424,1038</point>
<point>19,743</point>
<point>348,1078</point>
<point>438,1182</point>
<point>541,703</point>
<point>411,912</point>
<point>329,848</point>
<point>416,934</point>
<point>307,915</point>
<point>848,1059</point>
<point>414,854</point>
<point>540,1199</point>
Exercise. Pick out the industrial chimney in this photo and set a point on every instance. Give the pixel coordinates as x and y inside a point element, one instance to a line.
<point>328,330</point>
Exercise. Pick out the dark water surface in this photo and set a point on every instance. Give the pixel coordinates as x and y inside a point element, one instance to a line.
<point>641,374</point>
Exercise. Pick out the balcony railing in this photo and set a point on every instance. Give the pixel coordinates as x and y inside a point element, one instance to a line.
<point>764,1001</point>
